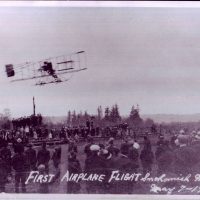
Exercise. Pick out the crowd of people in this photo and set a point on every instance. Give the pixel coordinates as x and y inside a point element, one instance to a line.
<point>176,154</point>
<point>66,132</point>
<point>19,159</point>
<point>33,120</point>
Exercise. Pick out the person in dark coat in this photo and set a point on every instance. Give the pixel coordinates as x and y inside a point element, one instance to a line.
<point>172,141</point>
<point>6,157</point>
<point>133,154</point>
<point>124,149</point>
<point>108,160</point>
<point>3,174</point>
<point>2,140</point>
<point>147,142</point>
<point>73,146</point>
<point>19,164</point>
<point>31,157</point>
<point>161,140</point>
<point>73,167</point>
<point>123,164</point>
<point>9,138</point>
<point>196,148</point>
<point>43,156</point>
<point>146,158</point>
<point>165,159</point>
<point>18,144</point>
<point>196,142</point>
<point>87,150</point>
<point>111,147</point>
<point>44,186</point>
<point>184,159</point>
<point>159,150</point>
<point>56,157</point>
<point>94,164</point>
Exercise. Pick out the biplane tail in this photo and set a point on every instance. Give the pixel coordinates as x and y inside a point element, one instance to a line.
<point>10,70</point>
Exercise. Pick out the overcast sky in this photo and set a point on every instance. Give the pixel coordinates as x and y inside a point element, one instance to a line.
<point>145,56</point>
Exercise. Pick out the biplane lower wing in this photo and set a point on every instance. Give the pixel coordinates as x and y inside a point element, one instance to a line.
<point>48,75</point>
<point>50,82</point>
<point>65,69</point>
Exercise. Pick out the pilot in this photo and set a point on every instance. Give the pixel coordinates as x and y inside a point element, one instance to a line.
<point>49,68</point>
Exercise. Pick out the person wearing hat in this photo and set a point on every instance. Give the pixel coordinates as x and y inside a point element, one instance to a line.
<point>6,156</point>
<point>19,164</point>
<point>3,173</point>
<point>193,134</point>
<point>134,153</point>
<point>87,151</point>
<point>101,151</point>
<point>164,159</point>
<point>147,140</point>
<point>147,158</point>
<point>56,157</point>
<point>72,146</point>
<point>108,159</point>
<point>18,144</point>
<point>94,164</point>
<point>2,140</point>
<point>197,137</point>
<point>123,164</point>
<point>43,186</point>
<point>184,159</point>
<point>43,156</point>
<point>124,149</point>
<point>111,140</point>
<point>111,147</point>
<point>75,168</point>
<point>172,140</point>
<point>31,157</point>
<point>161,140</point>
<point>196,146</point>
<point>181,132</point>
<point>160,148</point>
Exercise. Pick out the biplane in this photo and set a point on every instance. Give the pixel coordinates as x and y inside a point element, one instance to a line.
<point>48,71</point>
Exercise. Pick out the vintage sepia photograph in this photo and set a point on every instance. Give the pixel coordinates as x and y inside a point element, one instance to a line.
<point>99,99</point>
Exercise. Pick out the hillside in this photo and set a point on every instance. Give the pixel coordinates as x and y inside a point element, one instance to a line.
<point>167,118</point>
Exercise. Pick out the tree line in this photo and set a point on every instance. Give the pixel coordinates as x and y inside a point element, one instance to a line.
<point>110,116</point>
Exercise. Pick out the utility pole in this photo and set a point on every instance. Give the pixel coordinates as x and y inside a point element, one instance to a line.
<point>33,106</point>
